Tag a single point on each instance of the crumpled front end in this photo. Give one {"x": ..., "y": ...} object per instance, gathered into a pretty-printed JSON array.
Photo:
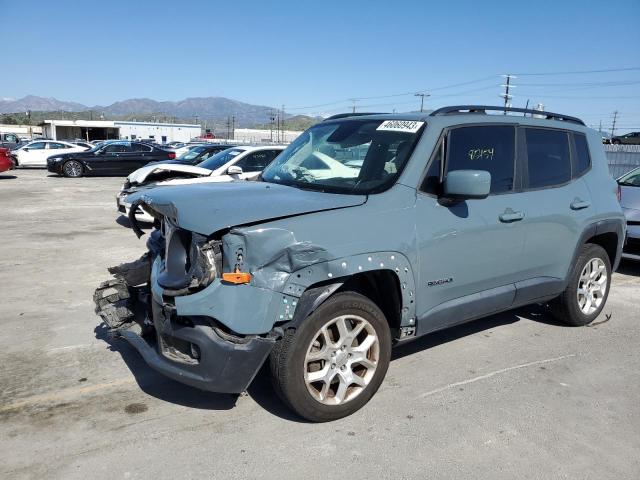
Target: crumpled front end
[
  {"x": 142, "y": 305},
  {"x": 210, "y": 311}
]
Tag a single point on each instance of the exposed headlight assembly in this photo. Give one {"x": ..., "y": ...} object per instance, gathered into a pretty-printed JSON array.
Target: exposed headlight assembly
[{"x": 191, "y": 261}]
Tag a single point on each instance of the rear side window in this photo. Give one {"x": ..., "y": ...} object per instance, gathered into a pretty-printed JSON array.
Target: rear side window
[
  {"x": 139, "y": 147},
  {"x": 490, "y": 148},
  {"x": 548, "y": 158},
  {"x": 583, "y": 160}
]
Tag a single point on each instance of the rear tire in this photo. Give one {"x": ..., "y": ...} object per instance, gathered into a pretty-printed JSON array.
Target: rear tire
[
  {"x": 588, "y": 288},
  {"x": 72, "y": 169},
  {"x": 334, "y": 362}
]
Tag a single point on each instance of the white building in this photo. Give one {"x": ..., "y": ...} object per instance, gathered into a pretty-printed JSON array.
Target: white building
[
  {"x": 108, "y": 129},
  {"x": 252, "y": 135},
  {"x": 27, "y": 131}
]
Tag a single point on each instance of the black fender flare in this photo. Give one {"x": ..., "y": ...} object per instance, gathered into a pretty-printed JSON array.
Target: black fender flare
[
  {"x": 598, "y": 228},
  {"x": 310, "y": 300}
]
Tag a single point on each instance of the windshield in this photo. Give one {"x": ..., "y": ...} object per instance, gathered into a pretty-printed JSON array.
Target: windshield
[
  {"x": 349, "y": 156},
  {"x": 631, "y": 179},
  {"x": 191, "y": 153},
  {"x": 219, "y": 159}
]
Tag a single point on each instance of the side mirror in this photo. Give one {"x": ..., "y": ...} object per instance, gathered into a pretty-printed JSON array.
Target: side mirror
[
  {"x": 234, "y": 170},
  {"x": 25, "y": 149},
  {"x": 467, "y": 184}
]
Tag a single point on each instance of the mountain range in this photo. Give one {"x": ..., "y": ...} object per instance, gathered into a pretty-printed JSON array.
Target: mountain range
[{"x": 214, "y": 109}]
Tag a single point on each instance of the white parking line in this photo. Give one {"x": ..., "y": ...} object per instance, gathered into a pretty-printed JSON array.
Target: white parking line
[
  {"x": 71, "y": 347},
  {"x": 494, "y": 373}
]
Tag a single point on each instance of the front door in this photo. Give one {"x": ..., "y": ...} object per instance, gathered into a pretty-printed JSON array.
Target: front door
[
  {"x": 469, "y": 250},
  {"x": 34, "y": 154}
]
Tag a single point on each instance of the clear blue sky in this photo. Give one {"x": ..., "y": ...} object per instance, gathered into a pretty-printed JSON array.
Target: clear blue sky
[{"x": 304, "y": 54}]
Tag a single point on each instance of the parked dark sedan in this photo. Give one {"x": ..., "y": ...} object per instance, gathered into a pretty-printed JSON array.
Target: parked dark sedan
[
  {"x": 114, "y": 158},
  {"x": 629, "y": 188},
  {"x": 632, "y": 138}
]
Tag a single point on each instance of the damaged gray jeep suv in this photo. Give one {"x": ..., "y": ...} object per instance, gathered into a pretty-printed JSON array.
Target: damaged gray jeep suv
[{"x": 366, "y": 232}]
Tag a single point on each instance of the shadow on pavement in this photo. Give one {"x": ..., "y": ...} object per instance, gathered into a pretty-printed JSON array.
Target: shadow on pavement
[
  {"x": 629, "y": 267},
  {"x": 262, "y": 392},
  {"x": 159, "y": 386},
  {"x": 124, "y": 221},
  {"x": 7, "y": 177}
]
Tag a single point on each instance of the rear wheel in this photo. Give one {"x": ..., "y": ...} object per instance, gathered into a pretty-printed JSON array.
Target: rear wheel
[
  {"x": 587, "y": 290},
  {"x": 335, "y": 361},
  {"x": 72, "y": 168}
]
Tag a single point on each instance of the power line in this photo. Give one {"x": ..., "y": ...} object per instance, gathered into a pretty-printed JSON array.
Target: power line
[
  {"x": 577, "y": 72},
  {"x": 442, "y": 87}
]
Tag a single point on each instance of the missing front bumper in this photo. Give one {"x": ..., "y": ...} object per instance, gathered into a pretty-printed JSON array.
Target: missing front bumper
[{"x": 189, "y": 351}]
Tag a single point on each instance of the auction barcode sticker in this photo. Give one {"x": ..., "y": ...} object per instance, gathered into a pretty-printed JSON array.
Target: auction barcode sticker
[{"x": 400, "y": 126}]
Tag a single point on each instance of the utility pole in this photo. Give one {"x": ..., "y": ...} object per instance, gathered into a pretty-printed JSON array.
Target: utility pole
[
  {"x": 271, "y": 119},
  {"x": 613, "y": 127},
  {"x": 228, "y": 127},
  {"x": 422, "y": 95},
  {"x": 507, "y": 87},
  {"x": 600, "y": 126},
  {"x": 233, "y": 127},
  {"x": 354, "y": 100},
  {"x": 283, "y": 128}
]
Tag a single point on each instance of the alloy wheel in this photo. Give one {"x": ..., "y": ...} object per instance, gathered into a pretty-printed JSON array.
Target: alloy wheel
[
  {"x": 341, "y": 360},
  {"x": 72, "y": 169},
  {"x": 592, "y": 286}
]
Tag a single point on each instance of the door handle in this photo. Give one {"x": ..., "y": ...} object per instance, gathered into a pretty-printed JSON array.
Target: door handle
[
  {"x": 510, "y": 216},
  {"x": 578, "y": 204}
]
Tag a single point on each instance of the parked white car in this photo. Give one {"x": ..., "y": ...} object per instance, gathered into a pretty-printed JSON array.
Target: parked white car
[
  {"x": 35, "y": 154},
  {"x": 235, "y": 163}
]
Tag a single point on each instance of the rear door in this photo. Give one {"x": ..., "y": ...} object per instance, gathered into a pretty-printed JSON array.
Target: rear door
[
  {"x": 141, "y": 154},
  {"x": 558, "y": 202}
]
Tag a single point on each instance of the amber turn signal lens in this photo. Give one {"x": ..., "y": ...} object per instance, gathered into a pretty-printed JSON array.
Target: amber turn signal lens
[{"x": 237, "y": 277}]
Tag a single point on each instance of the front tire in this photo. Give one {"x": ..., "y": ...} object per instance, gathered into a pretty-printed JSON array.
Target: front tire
[
  {"x": 72, "y": 169},
  {"x": 334, "y": 362},
  {"x": 588, "y": 288}
]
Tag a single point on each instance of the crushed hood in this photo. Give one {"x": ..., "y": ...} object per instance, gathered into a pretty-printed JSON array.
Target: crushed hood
[
  {"x": 208, "y": 207},
  {"x": 146, "y": 173}
]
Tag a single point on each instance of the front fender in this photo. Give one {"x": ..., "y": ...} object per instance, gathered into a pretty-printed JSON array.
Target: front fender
[{"x": 338, "y": 271}]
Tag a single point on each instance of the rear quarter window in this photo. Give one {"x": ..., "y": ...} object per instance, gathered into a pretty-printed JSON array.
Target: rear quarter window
[
  {"x": 583, "y": 159},
  {"x": 548, "y": 158}
]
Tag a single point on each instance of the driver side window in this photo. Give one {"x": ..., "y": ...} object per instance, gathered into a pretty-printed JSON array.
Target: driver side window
[{"x": 485, "y": 147}]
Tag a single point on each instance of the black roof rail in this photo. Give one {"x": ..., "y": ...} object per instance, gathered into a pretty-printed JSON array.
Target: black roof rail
[
  {"x": 354, "y": 114},
  {"x": 483, "y": 109}
]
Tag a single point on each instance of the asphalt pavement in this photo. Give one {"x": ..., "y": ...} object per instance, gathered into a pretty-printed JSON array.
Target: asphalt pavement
[{"x": 515, "y": 395}]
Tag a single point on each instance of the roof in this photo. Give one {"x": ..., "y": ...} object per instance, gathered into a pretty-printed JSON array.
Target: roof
[{"x": 472, "y": 113}]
